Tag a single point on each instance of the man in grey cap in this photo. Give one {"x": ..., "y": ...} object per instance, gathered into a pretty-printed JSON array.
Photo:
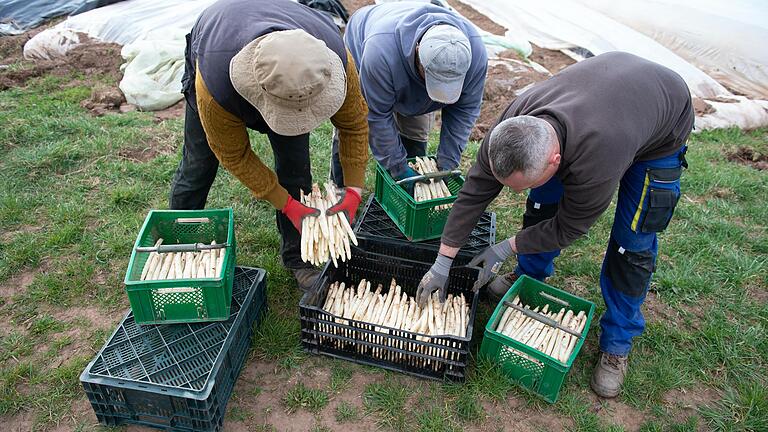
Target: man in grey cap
[
  {"x": 280, "y": 68},
  {"x": 415, "y": 59}
]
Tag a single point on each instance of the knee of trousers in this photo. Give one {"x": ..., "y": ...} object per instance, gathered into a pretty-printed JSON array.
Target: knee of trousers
[
  {"x": 628, "y": 272},
  {"x": 537, "y": 212}
]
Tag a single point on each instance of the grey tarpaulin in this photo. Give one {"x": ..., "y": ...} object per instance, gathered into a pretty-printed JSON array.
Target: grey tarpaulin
[{"x": 18, "y": 16}]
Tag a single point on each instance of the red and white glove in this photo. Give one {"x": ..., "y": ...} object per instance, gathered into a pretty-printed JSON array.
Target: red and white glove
[
  {"x": 296, "y": 212},
  {"x": 348, "y": 203}
]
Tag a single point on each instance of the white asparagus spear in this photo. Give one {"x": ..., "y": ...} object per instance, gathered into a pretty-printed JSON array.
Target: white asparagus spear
[
  {"x": 167, "y": 263},
  {"x": 150, "y": 260}
]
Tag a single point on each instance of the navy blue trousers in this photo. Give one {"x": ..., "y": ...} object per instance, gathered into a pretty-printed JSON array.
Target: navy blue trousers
[{"x": 648, "y": 193}]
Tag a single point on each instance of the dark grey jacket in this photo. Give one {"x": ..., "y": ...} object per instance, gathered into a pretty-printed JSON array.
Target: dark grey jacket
[{"x": 608, "y": 111}]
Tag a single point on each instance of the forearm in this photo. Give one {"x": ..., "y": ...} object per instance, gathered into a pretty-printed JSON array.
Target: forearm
[
  {"x": 351, "y": 122},
  {"x": 228, "y": 139},
  {"x": 448, "y": 251}
]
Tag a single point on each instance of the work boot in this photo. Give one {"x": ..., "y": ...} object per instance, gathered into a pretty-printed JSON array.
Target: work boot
[
  {"x": 306, "y": 277},
  {"x": 501, "y": 285},
  {"x": 609, "y": 375}
]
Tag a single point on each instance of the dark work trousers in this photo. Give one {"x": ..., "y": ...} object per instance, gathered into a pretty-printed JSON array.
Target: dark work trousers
[
  {"x": 412, "y": 149},
  {"x": 648, "y": 194},
  {"x": 198, "y": 166}
]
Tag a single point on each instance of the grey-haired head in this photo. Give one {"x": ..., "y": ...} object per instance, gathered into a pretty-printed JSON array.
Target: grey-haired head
[{"x": 522, "y": 151}]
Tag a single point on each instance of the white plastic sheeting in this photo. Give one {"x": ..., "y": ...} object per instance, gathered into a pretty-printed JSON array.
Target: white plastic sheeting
[
  {"x": 559, "y": 24},
  {"x": 726, "y": 40},
  {"x": 152, "y": 72},
  {"x": 562, "y": 24},
  {"x": 152, "y": 34}
]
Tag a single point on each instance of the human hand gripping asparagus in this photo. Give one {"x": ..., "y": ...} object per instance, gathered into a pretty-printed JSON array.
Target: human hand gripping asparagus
[{"x": 296, "y": 212}]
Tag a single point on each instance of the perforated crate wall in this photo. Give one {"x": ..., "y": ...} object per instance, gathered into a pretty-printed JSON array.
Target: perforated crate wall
[
  {"x": 434, "y": 357},
  {"x": 176, "y": 376},
  {"x": 423, "y": 220},
  {"x": 530, "y": 368},
  {"x": 184, "y": 299},
  {"x": 375, "y": 224}
]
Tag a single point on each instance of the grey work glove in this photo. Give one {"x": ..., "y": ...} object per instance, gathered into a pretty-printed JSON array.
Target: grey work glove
[
  {"x": 489, "y": 261},
  {"x": 435, "y": 279}
]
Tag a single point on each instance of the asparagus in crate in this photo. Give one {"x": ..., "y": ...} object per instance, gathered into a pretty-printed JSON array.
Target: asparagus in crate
[
  {"x": 394, "y": 310},
  {"x": 545, "y": 338},
  {"x": 325, "y": 237},
  {"x": 433, "y": 189},
  {"x": 183, "y": 265}
]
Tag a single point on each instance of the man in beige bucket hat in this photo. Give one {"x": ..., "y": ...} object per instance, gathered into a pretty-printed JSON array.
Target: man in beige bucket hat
[{"x": 280, "y": 68}]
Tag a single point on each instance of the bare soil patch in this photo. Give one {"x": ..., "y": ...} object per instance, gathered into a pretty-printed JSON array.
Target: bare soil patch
[
  {"x": 104, "y": 100},
  {"x": 701, "y": 107},
  {"x": 90, "y": 59},
  {"x": 553, "y": 61},
  {"x": 501, "y": 84},
  {"x": 686, "y": 402},
  {"x": 353, "y": 5},
  {"x": 612, "y": 411},
  {"x": 749, "y": 156},
  {"x": 477, "y": 18},
  {"x": 172, "y": 112},
  {"x": 658, "y": 311}
]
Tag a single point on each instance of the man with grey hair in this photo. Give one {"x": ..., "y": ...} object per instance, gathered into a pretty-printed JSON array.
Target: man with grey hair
[{"x": 615, "y": 120}]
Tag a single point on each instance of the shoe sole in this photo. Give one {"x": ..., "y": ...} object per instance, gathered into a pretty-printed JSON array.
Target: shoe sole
[{"x": 601, "y": 391}]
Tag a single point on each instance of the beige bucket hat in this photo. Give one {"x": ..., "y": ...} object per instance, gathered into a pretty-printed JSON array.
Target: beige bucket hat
[{"x": 293, "y": 79}]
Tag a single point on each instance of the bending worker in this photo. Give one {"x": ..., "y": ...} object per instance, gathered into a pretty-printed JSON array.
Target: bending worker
[
  {"x": 415, "y": 59},
  {"x": 611, "y": 120},
  {"x": 280, "y": 68}
]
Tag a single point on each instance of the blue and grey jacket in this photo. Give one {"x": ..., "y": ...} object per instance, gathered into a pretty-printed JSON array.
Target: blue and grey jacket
[{"x": 382, "y": 40}]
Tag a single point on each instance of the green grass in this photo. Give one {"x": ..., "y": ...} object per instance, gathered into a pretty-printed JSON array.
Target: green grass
[
  {"x": 346, "y": 412},
  {"x": 387, "y": 400},
  {"x": 71, "y": 206},
  {"x": 301, "y": 396}
]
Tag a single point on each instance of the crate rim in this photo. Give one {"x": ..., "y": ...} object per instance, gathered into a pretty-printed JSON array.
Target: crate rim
[
  {"x": 419, "y": 244},
  {"x": 418, "y": 205},
  {"x": 525, "y": 348},
  {"x": 201, "y": 394},
  {"x": 303, "y": 302},
  {"x": 142, "y": 285}
]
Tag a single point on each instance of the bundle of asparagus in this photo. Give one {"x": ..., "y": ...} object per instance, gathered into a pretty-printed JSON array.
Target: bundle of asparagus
[
  {"x": 324, "y": 237},
  {"x": 433, "y": 189},
  {"x": 183, "y": 265},
  {"x": 549, "y": 340},
  {"x": 395, "y": 310}
]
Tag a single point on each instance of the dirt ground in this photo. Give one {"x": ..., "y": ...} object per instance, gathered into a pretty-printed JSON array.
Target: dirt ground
[
  {"x": 501, "y": 84},
  {"x": 353, "y": 5},
  {"x": 749, "y": 156},
  {"x": 87, "y": 60},
  {"x": 477, "y": 18},
  {"x": 553, "y": 61}
]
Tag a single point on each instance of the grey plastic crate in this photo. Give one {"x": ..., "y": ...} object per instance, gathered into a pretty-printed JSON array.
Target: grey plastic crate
[{"x": 176, "y": 376}]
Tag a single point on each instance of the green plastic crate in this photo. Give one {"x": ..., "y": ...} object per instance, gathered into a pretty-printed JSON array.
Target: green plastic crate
[
  {"x": 531, "y": 369},
  {"x": 182, "y": 300},
  {"x": 416, "y": 220}
]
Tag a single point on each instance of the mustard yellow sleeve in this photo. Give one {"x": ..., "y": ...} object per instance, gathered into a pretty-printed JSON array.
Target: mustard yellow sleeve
[
  {"x": 228, "y": 139},
  {"x": 352, "y": 122}
]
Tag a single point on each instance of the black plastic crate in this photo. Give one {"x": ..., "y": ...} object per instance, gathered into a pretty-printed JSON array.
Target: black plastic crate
[
  {"x": 176, "y": 376},
  {"x": 375, "y": 224},
  {"x": 435, "y": 357}
]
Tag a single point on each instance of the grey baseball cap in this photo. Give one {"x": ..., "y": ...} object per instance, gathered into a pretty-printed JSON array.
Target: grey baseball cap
[{"x": 445, "y": 55}]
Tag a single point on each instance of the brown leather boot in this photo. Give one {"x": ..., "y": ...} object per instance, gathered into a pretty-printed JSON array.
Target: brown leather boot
[
  {"x": 306, "y": 277},
  {"x": 499, "y": 286},
  {"x": 609, "y": 375}
]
